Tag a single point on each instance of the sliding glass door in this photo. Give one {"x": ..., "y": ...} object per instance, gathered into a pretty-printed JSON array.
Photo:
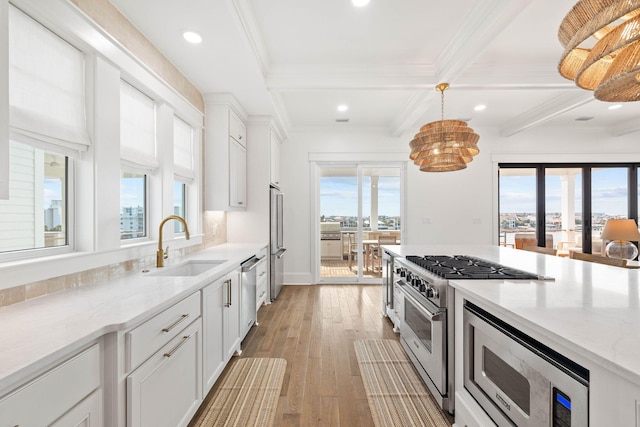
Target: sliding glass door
[
  {"x": 359, "y": 208},
  {"x": 564, "y": 206}
]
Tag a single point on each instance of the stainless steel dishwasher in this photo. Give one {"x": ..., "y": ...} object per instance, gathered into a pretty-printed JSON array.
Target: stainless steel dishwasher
[{"x": 248, "y": 297}]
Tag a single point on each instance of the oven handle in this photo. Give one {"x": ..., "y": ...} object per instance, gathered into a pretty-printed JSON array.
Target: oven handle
[{"x": 434, "y": 317}]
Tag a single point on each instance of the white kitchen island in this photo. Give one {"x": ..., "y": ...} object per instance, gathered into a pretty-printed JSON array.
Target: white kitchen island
[{"x": 589, "y": 313}]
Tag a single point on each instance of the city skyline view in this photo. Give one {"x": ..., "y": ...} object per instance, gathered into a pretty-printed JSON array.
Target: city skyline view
[{"x": 609, "y": 193}]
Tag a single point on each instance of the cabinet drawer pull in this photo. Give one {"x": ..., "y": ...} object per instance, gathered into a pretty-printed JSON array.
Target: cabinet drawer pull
[
  {"x": 228, "y": 282},
  {"x": 184, "y": 340},
  {"x": 174, "y": 324}
]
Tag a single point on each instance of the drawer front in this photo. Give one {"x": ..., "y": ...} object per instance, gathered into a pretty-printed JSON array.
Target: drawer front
[
  {"x": 147, "y": 338},
  {"x": 52, "y": 394},
  {"x": 166, "y": 390},
  {"x": 261, "y": 293},
  {"x": 261, "y": 270}
]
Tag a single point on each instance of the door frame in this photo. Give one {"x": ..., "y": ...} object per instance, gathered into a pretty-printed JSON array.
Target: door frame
[{"x": 317, "y": 162}]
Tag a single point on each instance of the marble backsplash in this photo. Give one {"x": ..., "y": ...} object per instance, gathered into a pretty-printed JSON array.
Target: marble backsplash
[{"x": 215, "y": 233}]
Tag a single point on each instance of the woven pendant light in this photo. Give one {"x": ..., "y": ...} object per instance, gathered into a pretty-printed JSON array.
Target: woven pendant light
[
  {"x": 611, "y": 66},
  {"x": 445, "y": 145}
]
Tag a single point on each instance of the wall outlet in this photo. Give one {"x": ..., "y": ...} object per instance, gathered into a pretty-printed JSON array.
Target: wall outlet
[
  {"x": 426, "y": 220},
  {"x": 476, "y": 221}
]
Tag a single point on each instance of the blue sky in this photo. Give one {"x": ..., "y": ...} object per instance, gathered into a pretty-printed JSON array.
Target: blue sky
[
  {"x": 609, "y": 190},
  {"x": 339, "y": 196}
]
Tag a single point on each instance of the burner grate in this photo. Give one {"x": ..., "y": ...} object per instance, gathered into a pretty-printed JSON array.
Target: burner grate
[{"x": 466, "y": 267}]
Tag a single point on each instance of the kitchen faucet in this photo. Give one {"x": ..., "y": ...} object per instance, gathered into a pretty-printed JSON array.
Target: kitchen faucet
[{"x": 160, "y": 254}]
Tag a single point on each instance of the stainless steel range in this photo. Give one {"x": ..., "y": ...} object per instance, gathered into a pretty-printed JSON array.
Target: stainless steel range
[{"x": 426, "y": 312}]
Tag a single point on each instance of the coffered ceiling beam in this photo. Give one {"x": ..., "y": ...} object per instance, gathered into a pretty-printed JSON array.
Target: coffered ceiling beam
[
  {"x": 349, "y": 77},
  {"x": 481, "y": 25},
  {"x": 625, "y": 128},
  {"x": 555, "y": 107}
]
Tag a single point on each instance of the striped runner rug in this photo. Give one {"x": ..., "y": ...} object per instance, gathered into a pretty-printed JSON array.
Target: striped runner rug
[
  {"x": 248, "y": 395},
  {"x": 396, "y": 395}
]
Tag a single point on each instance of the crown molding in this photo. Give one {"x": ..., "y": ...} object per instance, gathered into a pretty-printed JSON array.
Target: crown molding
[
  {"x": 226, "y": 99},
  {"x": 243, "y": 13},
  {"x": 544, "y": 112}
]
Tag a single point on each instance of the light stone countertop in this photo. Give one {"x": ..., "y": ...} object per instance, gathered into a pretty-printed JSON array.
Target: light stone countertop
[
  {"x": 37, "y": 332},
  {"x": 591, "y": 310}
]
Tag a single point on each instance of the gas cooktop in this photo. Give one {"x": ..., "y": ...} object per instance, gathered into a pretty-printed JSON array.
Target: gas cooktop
[{"x": 467, "y": 267}]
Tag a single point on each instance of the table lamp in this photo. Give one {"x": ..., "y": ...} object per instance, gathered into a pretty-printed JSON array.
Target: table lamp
[{"x": 621, "y": 232}]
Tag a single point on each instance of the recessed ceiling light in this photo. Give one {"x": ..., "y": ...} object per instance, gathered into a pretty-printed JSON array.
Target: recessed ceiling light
[
  {"x": 342, "y": 108},
  {"x": 192, "y": 37},
  {"x": 615, "y": 106},
  {"x": 480, "y": 107},
  {"x": 360, "y": 3}
]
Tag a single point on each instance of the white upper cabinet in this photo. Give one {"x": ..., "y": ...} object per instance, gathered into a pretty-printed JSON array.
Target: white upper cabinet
[
  {"x": 225, "y": 154},
  {"x": 237, "y": 129}
]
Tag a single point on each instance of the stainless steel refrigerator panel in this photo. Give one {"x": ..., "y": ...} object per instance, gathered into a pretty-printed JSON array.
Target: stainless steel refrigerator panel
[
  {"x": 276, "y": 243},
  {"x": 276, "y": 273}
]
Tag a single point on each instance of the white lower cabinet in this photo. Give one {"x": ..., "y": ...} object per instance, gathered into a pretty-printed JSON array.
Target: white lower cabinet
[
  {"x": 166, "y": 390},
  {"x": 213, "y": 354},
  {"x": 221, "y": 325},
  {"x": 66, "y": 395},
  {"x": 231, "y": 335},
  {"x": 87, "y": 413}
]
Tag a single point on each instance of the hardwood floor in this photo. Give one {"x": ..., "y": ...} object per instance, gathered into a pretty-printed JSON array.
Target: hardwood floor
[
  {"x": 313, "y": 328},
  {"x": 341, "y": 269}
]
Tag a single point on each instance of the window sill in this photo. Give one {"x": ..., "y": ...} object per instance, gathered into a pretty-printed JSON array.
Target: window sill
[{"x": 25, "y": 271}]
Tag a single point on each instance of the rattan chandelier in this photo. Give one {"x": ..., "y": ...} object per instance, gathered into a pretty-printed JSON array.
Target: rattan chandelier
[
  {"x": 611, "y": 67},
  {"x": 445, "y": 145}
]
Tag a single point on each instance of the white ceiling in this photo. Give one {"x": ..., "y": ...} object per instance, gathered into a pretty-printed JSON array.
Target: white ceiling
[{"x": 297, "y": 60}]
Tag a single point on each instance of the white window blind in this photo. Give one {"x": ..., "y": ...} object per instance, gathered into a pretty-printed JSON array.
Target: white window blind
[
  {"x": 137, "y": 128},
  {"x": 46, "y": 88},
  {"x": 183, "y": 149}
]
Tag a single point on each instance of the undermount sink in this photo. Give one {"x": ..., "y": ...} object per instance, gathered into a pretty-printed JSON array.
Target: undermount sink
[{"x": 188, "y": 268}]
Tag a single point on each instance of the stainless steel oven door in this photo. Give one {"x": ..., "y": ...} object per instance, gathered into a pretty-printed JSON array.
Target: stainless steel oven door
[
  {"x": 516, "y": 386},
  {"x": 424, "y": 334}
]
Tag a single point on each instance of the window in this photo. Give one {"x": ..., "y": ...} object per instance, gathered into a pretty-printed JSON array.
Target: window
[
  {"x": 179, "y": 204},
  {"x": 183, "y": 149},
  {"x": 517, "y": 206},
  {"x": 47, "y": 129},
  {"x": 572, "y": 201},
  {"x": 35, "y": 216},
  {"x": 138, "y": 154},
  {"x": 133, "y": 221}
]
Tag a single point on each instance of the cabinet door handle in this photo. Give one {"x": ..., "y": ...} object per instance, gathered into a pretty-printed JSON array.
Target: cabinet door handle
[
  {"x": 174, "y": 324},
  {"x": 176, "y": 348},
  {"x": 228, "y": 282},
  {"x": 263, "y": 273}
]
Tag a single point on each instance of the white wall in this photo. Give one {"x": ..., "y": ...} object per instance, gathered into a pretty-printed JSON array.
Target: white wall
[{"x": 450, "y": 207}]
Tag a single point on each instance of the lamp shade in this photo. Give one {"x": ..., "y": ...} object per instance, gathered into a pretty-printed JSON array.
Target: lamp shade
[{"x": 621, "y": 229}]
